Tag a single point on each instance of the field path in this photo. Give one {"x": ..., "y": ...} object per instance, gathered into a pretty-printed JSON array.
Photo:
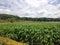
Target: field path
[{"x": 7, "y": 41}]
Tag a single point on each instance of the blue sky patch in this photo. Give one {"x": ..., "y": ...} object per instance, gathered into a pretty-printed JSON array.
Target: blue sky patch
[{"x": 55, "y": 2}]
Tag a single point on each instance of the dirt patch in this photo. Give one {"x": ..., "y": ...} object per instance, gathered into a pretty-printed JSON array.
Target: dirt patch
[{"x": 7, "y": 41}]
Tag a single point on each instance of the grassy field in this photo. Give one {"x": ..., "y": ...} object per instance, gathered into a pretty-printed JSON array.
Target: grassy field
[{"x": 32, "y": 33}]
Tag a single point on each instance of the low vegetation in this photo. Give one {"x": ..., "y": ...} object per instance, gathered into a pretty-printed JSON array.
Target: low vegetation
[{"x": 32, "y": 33}]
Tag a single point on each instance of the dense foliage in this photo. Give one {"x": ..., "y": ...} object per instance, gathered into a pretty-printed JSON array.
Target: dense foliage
[{"x": 32, "y": 33}]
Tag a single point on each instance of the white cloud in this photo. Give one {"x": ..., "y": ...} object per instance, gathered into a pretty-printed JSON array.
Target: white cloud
[
  {"x": 36, "y": 3},
  {"x": 30, "y": 8},
  {"x": 7, "y": 11}
]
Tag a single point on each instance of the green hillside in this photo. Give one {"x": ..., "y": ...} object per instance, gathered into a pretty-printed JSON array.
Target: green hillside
[{"x": 8, "y": 18}]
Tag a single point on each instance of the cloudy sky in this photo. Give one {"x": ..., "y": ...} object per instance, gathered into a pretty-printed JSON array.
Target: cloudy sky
[{"x": 31, "y": 8}]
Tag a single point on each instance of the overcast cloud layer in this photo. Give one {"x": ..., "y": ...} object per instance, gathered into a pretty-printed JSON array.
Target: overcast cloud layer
[{"x": 31, "y": 8}]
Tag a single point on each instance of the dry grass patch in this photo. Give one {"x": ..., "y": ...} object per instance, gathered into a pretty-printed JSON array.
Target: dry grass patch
[{"x": 7, "y": 41}]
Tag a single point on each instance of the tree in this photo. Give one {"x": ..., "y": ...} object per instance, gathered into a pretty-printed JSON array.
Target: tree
[{"x": 11, "y": 20}]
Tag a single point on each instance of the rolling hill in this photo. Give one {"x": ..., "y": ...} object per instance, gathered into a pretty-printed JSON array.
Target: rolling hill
[{"x": 8, "y": 18}]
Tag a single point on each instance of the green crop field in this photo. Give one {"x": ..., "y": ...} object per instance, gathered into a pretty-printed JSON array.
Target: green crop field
[{"x": 33, "y": 33}]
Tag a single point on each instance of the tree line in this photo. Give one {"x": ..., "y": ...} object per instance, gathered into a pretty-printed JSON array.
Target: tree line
[
  {"x": 40, "y": 19},
  {"x": 12, "y": 18}
]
